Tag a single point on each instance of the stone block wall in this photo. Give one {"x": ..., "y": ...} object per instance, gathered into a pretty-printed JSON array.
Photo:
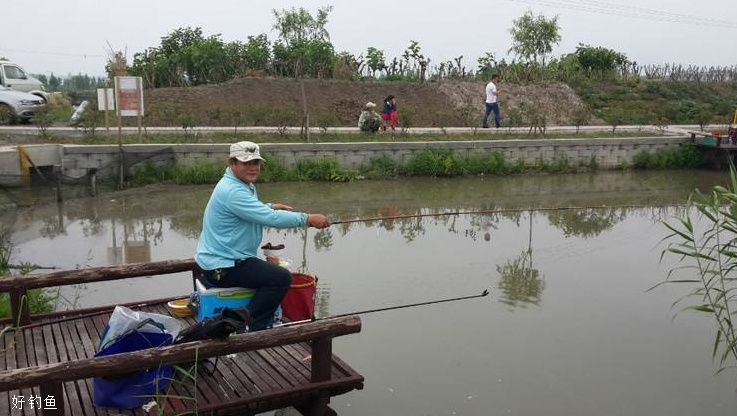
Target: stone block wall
[{"x": 76, "y": 160}]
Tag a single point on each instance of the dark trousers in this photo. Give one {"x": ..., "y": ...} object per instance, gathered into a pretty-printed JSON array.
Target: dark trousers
[
  {"x": 492, "y": 107},
  {"x": 270, "y": 281}
]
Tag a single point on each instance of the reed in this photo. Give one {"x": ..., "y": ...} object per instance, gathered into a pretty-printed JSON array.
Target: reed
[{"x": 704, "y": 239}]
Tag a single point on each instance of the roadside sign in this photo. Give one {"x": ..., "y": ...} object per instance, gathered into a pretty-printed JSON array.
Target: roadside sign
[
  {"x": 129, "y": 96},
  {"x": 105, "y": 99}
]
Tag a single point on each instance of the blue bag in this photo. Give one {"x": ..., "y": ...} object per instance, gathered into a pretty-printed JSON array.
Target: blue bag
[{"x": 133, "y": 390}]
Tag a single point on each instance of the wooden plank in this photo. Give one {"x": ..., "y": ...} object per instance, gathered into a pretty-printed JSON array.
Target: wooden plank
[
  {"x": 96, "y": 274},
  {"x": 53, "y": 356},
  {"x": 70, "y": 389},
  {"x": 286, "y": 365},
  {"x": 267, "y": 382},
  {"x": 11, "y": 363},
  {"x": 278, "y": 395},
  {"x": 300, "y": 356},
  {"x": 295, "y": 363},
  {"x": 253, "y": 380},
  {"x": 307, "y": 351},
  {"x": 5, "y": 404},
  {"x": 30, "y": 361},
  {"x": 76, "y": 349},
  {"x": 22, "y": 362},
  {"x": 73, "y": 345},
  {"x": 241, "y": 384}
]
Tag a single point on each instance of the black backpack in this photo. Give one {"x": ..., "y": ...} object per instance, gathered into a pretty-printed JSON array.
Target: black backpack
[{"x": 219, "y": 326}]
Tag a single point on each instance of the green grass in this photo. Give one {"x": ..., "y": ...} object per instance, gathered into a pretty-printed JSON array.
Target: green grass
[
  {"x": 434, "y": 163},
  {"x": 647, "y": 101},
  {"x": 682, "y": 157}
]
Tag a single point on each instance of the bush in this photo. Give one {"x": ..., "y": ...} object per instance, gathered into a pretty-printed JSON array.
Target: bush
[
  {"x": 435, "y": 163},
  {"x": 683, "y": 157},
  {"x": 382, "y": 167},
  {"x": 323, "y": 170},
  {"x": 43, "y": 120},
  {"x": 371, "y": 124}
]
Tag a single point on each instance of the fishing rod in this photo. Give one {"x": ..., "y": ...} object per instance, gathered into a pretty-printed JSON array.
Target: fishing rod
[
  {"x": 496, "y": 211},
  {"x": 388, "y": 308}
]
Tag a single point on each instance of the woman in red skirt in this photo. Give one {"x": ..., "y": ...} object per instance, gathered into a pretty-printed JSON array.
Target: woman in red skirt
[{"x": 389, "y": 112}]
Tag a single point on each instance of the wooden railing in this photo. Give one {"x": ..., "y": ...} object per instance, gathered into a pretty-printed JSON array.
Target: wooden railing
[
  {"x": 49, "y": 377},
  {"x": 18, "y": 287}
]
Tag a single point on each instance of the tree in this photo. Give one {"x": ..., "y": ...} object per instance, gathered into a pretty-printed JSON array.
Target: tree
[
  {"x": 599, "y": 59},
  {"x": 303, "y": 47},
  {"x": 413, "y": 54},
  {"x": 345, "y": 66},
  {"x": 534, "y": 37},
  {"x": 375, "y": 60},
  {"x": 487, "y": 64},
  {"x": 186, "y": 57},
  {"x": 54, "y": 82},
  {"x": 257, "y": 52},
  {"x": 296, "y": 26}
]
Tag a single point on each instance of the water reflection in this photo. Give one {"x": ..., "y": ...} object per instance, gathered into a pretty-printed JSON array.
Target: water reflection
[
  {"x": 144, "y": 225},
  {"x": 137, "y": 238},
  {"x": 587, "y": 222},
  {"x": 560, "y": 326},
  {"x": 519, "y": 282}
]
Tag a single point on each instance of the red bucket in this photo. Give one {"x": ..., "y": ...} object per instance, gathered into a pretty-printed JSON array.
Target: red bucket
[{"x": 299, "y": 302}]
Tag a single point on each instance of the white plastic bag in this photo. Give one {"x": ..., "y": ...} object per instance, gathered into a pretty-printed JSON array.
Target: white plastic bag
[{"x": 123, "y": 320}]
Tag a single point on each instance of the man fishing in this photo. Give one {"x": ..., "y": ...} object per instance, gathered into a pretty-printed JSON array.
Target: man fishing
[{"x": 232, "y": 228}]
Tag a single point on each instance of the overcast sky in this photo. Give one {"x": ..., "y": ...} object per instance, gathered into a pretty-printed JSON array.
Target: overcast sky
[{"x": 71, "y": 36}]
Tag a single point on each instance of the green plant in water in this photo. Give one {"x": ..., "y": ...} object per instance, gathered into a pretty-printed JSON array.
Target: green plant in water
[
  {"x": 707, "y": 250},
  {"x": 37, "y": 299}
]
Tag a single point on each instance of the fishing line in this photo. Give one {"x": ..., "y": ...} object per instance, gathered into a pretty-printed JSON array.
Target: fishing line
[{"x": 498, "y": 211}]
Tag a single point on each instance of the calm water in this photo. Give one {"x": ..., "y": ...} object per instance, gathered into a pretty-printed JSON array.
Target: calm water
[{"x": 569, "y": 328}]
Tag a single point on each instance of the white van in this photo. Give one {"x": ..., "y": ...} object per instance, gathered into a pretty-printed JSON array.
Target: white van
[{"x": 13, "y": 77}]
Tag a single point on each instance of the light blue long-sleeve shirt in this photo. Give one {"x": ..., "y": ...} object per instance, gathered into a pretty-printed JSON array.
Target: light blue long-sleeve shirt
[{"x": 233, "y": 221}]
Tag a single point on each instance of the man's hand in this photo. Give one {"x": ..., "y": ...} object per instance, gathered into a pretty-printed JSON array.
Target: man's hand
[
  {"x": 272, "y": 260},
  {"x": 318, "y": 221},
  {"x": 281, "y": 207}
]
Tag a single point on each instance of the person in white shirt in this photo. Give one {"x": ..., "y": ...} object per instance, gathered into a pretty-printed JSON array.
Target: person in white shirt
[{"x": 492, "y": 105}]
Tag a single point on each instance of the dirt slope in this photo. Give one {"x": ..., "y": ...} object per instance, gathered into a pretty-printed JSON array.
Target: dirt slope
[{"x": 268, "y": 101}]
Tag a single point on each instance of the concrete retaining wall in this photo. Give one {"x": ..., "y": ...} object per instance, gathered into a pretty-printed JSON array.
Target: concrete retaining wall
[{"x": 77, "y": 159}]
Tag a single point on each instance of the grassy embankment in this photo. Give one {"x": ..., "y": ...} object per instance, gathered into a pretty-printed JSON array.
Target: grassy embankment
[{"x": 658, "y": 102}]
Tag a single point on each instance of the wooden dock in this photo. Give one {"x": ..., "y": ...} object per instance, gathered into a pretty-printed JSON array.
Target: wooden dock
[
  {"x": 53, "y": 355},
  {"x": 718, "y": 150}
]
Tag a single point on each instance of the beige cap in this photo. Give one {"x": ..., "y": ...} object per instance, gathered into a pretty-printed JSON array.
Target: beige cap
[
  {"x": 370, "y": 104},
  {"x": 245, "y": 151}
]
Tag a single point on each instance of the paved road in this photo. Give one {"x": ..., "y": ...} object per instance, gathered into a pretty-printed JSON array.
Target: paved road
[{"x": 76, "y": 132}]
